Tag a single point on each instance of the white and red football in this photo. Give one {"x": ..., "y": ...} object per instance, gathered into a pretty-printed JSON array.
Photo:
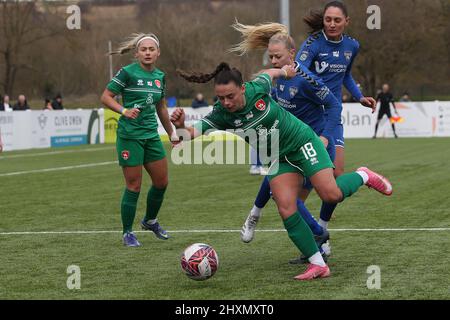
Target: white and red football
[{"x": 199, "y": 261}]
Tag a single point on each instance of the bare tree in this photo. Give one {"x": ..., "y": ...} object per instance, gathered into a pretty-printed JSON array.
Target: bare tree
[{"x": 21, "y": 26}]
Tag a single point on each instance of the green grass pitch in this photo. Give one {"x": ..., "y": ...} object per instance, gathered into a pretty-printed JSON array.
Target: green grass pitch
[{"x": 414, "y": 264}]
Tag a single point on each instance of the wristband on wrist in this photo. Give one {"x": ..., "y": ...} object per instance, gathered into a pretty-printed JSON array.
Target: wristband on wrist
[
  {"x": 122, "y": 110},
  {"x": 285, "y": 73}
]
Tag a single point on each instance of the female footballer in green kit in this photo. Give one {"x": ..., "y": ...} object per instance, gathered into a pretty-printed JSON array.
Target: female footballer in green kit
[
  {"x": 249, "y": 106},
  {"x": 142, "y": 87}
]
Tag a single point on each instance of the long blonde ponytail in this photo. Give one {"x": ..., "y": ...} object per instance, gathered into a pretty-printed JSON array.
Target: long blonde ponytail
[{"x": 258, "y": 36}]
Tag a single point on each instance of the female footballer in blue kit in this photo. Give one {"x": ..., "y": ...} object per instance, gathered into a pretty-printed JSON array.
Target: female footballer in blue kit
[{"x": 329, "y": 53}]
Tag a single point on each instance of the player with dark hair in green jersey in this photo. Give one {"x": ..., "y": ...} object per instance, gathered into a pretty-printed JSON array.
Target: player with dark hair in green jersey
[
  {"x": 142, "y": 87},
  {"x": 247, "y": 107}
]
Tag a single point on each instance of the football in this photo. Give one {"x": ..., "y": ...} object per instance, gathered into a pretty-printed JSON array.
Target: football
[{"x": 199, "y": 261}]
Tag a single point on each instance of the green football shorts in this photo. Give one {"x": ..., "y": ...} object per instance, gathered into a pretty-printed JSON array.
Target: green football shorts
[
  {"x": 307, "y": 160},
  {"x": 136, "y": 152}
]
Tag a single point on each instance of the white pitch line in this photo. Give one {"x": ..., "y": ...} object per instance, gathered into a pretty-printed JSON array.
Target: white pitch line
[
  {"x": 54, "y": 152},
  {"x": 87, "y": 165},
  {"x": 219, "y": 231}
]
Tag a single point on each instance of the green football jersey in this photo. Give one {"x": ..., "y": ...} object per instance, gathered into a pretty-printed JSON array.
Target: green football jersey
[
  {"x": 140, "y": 89},
  {"x": 265, "y": 117}
]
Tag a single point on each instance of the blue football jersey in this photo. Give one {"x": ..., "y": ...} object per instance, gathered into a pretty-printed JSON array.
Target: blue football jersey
[
  {"x": 331, "y": 61},
  {"x": 305, "y": 96}
]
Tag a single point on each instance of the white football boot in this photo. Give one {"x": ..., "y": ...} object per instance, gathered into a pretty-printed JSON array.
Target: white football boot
[{"x": 248, "y": 229}]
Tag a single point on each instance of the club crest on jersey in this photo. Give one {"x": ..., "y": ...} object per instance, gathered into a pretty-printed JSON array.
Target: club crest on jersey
[
  {"x": 158, "y": 83},
  {"x": 304, "y": 56},
  {"x": 125, "y": 154},
  {"x": 140, "y": 82},
  {"x": 150, "y": 84},
  {"x": 336, "y": 54},
  {"x": 249, "y": 115},
  {"x": 348, "y": 55},
  {"x": 260, "y": 105},
  {"x": 293, "y": 91},
  {"x": 281, "y": 87}
]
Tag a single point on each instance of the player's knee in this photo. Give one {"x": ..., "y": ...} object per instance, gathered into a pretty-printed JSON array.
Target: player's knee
[
  {"x": 161, "y": 183},
  {"x": 134, "y": 185},
  {"x": 331, "y": 195},
  {"x": 286, "y": 208}
]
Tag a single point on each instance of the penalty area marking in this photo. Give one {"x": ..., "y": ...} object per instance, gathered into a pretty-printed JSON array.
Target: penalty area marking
[{"x": 219, "y": 231}]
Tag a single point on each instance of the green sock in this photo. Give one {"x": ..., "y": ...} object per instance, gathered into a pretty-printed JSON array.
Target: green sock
[
  {"x": 128, "y": 209},
  {"x": 155, "y": 199},
  {"x": 349, "y": 183},
  {"x": 300, "y": 234}
]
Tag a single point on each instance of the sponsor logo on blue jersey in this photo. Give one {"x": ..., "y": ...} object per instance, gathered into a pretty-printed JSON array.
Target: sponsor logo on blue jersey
[{"x": 320, "y": 68}]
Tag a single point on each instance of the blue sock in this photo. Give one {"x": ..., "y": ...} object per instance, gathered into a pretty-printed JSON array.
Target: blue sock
[
  {"x": 254, "y": 157},
  {"x": 306, "y": 215},
  {"x": 263, "y": 194},
  {"x": 258, "y": 161},
  {"x": 326, "y": 211}
]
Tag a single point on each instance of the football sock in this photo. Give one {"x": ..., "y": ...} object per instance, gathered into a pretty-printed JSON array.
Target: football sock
[
  {"x": 254, "y": 157},
  {"x": 317, "y": 259},
  {"x": 326, "y": 211},
  {"x": 364, "y": 176},
  {"x": 301, "y": 235},
  {"x": 155, "y": 199},
  {"x": 256, "y": 212},
  {"x": 323, "y": 224},
  {"x": 263, "y": 194},
  {"x": 349, "y": 183},
  {"x": 128, "y": 209},
  {"x": 309, "y": 219},
  {"x": 258, "y": 160}
]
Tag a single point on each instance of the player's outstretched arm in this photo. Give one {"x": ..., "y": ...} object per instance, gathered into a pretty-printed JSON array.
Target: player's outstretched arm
[
  {"x": 287, "y": 71},
  {"x": 178, "y": 118}
]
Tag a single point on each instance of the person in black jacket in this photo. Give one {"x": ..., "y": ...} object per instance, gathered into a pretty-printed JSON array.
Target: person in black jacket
[
  {"x": 57, "y": 103},
  {"x": 385, "y": 98},
  {"x": 199, "y": 101},
  {"x": 21, "y": 104}
]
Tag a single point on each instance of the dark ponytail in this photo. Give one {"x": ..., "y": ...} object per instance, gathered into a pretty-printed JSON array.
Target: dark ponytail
[
  {"x": 222, "y": 75},
  {"x": 314, "y": 20}
]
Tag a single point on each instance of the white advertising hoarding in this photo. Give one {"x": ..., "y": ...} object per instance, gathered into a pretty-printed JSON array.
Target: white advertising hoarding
[
  {"x": 420, "y": 119},
  {"x": 44, "y": 129},
  {"x": 443, "y": 119}
]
